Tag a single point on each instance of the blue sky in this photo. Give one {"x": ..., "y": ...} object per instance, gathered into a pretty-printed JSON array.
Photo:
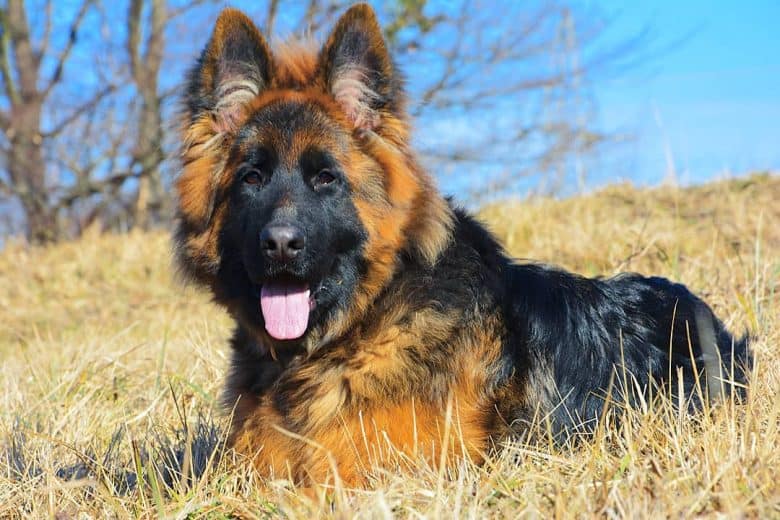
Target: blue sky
[
  {"x": 706, "y": 95},
  {"x": 712, "y": 103}
]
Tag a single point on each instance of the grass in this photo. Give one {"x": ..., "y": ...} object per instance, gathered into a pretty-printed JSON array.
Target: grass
[{"x": 110, "y": 373}]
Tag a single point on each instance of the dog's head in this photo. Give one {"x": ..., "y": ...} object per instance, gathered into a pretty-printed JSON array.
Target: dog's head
[{"x": 298, "y": 193}]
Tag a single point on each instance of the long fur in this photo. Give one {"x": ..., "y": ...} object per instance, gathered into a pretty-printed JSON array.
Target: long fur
[{"x": 423, "y": 337}]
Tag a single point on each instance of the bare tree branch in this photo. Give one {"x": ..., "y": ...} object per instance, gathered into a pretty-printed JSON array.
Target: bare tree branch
[
  {"x": 308, "y": 17},
  {"x": 43, "y": 48},
  {"x": 513, "y": 78},
  {"x": 92, "y": 187},
  {"x": 270, "y": 17},
  {"x": 5, "y": 66},
  {"x": 134, "y": 36},
  {"x": 175, "y": 13},
  {"x": 24, "y": 57},
  {"x": 66, "y": 50},
  {"x": 78, "y": 112},
  {"x": 155, "y": 45},
  {"x": 147, "y": 152}
]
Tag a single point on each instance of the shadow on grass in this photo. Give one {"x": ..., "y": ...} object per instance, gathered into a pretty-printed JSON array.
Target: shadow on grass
[{"x": 159, "y": 460}]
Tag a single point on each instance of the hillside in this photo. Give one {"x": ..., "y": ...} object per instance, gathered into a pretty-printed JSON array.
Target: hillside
[{"x": 110, "y": 372}]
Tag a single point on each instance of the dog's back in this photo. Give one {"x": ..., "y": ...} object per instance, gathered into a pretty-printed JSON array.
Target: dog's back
[{"x": 623, "y": 339}]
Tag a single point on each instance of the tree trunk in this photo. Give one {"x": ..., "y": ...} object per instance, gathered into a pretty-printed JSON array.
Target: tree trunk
[
  {"x": 26, "y": 165},
  {"x": 149, "y": 203},
  {"x": 28, "y": 173},
  {"x": 148, "y": 154}
]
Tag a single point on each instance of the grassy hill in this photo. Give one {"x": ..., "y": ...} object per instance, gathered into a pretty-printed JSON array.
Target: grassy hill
[{"x": 110, "y": 372}]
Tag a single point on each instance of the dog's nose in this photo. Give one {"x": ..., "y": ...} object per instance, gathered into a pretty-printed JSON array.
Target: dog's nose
[{"x": 282, "y": 243}]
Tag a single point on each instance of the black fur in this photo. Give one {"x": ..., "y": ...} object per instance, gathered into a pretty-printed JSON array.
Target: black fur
[
  {"x": 584, "y": 334},
  {"x": 583, "y": 337},
  {"x": 330, "y": 262},
  {"x": 396, "y": 320}
]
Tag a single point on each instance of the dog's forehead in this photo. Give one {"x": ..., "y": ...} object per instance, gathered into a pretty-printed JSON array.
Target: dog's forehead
[{"x": 290, "y": 128}]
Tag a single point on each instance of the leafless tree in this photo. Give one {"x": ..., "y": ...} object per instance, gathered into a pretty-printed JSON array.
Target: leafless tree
[
  {"x": 511, "y": 85},
  {"x": 26, "y": 89},
  {"x": 498, "y": 89},
  {"x": 145, "y": 69}
]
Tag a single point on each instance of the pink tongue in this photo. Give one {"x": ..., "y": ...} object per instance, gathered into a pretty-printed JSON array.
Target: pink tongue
[{"x": 285, "y": 309}]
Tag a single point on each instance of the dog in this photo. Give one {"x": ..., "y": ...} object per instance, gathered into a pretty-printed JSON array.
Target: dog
[{"x": 374, "y": 318}]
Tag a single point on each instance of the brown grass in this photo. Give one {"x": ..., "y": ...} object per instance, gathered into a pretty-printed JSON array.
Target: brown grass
[{"x": 111, "y": 371}]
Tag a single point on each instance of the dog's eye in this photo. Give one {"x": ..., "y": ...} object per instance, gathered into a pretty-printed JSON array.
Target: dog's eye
[
  {"x": 254, "y": 177},
  {"x": 323, "y": 178}
]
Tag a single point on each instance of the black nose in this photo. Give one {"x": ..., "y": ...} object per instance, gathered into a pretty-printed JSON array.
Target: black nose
[{"x": 282, "y": 243}]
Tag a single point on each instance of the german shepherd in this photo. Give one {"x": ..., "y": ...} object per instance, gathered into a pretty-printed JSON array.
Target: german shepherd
[{"x": 372, "y": 315}]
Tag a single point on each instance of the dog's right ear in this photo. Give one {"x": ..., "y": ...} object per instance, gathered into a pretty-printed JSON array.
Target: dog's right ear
[{"x": 233, "y": 68}]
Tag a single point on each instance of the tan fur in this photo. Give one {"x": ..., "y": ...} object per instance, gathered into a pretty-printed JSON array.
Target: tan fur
[
  {"x": 391, "y": 421},
  {"x": 359, "y": 397}
]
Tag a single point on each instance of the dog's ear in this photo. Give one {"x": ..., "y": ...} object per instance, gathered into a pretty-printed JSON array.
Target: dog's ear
[
  {"x": 358, "y": 70},
  {"x": 233, "y": 68}
]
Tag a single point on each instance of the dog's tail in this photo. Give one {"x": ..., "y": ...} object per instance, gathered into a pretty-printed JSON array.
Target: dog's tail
[{"x": 727, "y": 360}]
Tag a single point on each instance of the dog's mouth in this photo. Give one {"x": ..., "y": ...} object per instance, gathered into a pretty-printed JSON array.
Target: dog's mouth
[{"x": 286, "y": 304}]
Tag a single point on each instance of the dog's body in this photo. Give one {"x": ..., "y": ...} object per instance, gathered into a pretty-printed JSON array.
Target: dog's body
[{"x": 372, "y": 316}]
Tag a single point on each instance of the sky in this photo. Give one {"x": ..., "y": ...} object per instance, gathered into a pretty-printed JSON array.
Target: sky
[
  {"x": 704, "y": 96},
  {"x": 710, "y": 104},
  {"x": 701, "y": 102}
]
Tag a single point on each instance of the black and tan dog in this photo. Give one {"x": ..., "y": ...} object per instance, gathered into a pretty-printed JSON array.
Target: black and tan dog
[{"x": 368, "y": 309}]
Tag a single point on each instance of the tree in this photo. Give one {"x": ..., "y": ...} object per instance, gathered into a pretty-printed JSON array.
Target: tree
[
  {"x": 499, "y": 91},
  {"x": 102, "y": 161},
  {"x": 26, "y": 89},
  {"x": 509, "y": 82},
  {"x": 145, "y": 68}
]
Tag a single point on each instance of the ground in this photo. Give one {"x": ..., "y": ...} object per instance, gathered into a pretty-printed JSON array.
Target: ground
[{"x": 110, "y": 374}]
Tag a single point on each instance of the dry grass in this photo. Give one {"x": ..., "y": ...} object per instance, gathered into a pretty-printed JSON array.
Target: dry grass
[{"x": 110, "y": 373}]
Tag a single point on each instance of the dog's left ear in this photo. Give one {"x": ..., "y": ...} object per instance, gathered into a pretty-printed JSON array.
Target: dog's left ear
[{"x": 359, "y": 71}]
